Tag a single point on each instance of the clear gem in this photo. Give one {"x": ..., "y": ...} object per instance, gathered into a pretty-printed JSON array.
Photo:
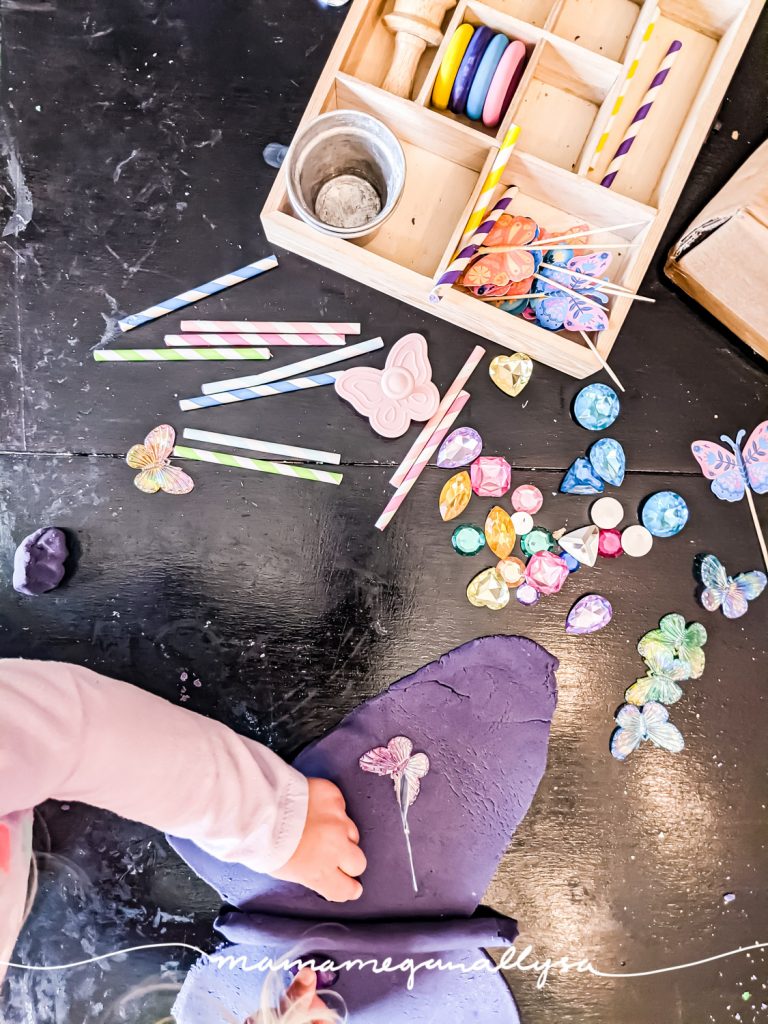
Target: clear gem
[
  {"x": 488, "y": 590},
  {"x": 461, "y": 447},
  {"x": 582, "y": 479},
  {"x": 455, "y": 495},
  {"x": 537, "y": 539},
  {"x": 608, "y": 461},
  {"x": 636, "y": 541},
  {"x": 573, "y": 563},
  {"x": 491, "y": 476},
  {"x": 511, "y": 373},
  {"x": 664, "y": 514},
  {"x": 582, "y": 544},
  {"x": 527, "y": 595},
  {"x": 546, "y": 572},
  {"x": 512, "y": 571},
  {"x": 499, "y": 532},
  {"x": 606, "y": 513},
  {"x": 609, "y": 544},
  {"x": 596, "y": 407},
  {"x": 522, "y": 522},
  {"x": 588, "y": 615},
  {"x": 527, "y": 498},
  {"x": 468, "y": 539}
]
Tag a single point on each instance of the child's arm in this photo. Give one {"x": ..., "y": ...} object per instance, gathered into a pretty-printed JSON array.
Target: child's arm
[{"x": 68, "y": 733}]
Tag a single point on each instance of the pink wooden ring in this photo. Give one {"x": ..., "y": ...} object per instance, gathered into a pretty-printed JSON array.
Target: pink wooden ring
[{"x": 504, "y": 82}]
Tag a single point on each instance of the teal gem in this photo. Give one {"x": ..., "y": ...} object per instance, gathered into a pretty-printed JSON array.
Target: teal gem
[
  {"x": 468, "y": 539},
  {"x": 596, "y": 407},
  {"x": 582, "y": 479},
  {"x": 608, "y": 460},
  {"x": 537, "y": 540},
  {"x": 664, "y": 514}
]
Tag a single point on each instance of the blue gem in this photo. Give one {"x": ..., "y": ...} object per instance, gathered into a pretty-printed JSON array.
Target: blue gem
[
  {"x": 608, "y": 460},
  {"x": 664, "y": 514},
  {"x": 572, "y": 563},
  {"x": 596, "y": 407},
  {"x": 582, "y": 479}
]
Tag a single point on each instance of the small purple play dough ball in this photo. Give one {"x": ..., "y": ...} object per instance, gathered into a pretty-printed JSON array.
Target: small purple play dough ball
[{"x": 38, "y": 565}]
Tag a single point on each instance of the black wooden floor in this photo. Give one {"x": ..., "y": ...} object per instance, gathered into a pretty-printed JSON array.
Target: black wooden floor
[{"x": 139, "y": 127}]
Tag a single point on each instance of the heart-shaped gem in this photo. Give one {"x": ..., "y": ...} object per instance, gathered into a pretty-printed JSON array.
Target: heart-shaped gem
[
  {"x": 488, "y": 590},
  {"x": 511, "y": 373}
]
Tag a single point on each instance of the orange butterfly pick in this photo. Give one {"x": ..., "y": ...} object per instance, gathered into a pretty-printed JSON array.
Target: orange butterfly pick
[{"x": 153, "y": 460}]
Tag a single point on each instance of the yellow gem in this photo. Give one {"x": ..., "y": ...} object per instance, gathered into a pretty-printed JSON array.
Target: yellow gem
[
  {"x": 455, "y": 495},
  {"x": 488, "y": 590},
  {"x": 499, "y": 532},
  {"x": 511, "y": 373},
  {"x": 512, "y": 571}
]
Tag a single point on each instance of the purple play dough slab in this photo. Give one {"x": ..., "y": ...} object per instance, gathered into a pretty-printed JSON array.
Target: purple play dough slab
[{"x": 38, "y": 565}]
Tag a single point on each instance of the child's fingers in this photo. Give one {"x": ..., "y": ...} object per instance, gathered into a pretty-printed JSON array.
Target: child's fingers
[
  {"x": 352, "y": 860},
  {"x": 303, "y": 990},
  {"x": 341, "y": 888},
  {"x": 353, "y": 831}
]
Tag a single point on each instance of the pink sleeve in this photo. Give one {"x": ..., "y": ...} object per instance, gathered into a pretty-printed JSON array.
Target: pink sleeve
[{"x": 68, "y": 733}]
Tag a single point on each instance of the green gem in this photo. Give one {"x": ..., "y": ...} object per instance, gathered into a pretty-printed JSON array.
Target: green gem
[
  {"x": 537, "y": 540},
  {"x": 468, "y": 539}
]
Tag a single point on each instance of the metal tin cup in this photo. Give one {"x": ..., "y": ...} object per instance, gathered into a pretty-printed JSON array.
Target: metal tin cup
[{"x": 345, "y": 173}]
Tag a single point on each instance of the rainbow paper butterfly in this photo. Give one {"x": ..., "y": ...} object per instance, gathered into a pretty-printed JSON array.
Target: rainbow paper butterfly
[
  {"x": 636, "y": 725},
  {"x": 733, "y": 472},
  {"x": 152, "y": 458},
  {"x": 731, "y": 593},
  {"x": 561, "y": 309}
]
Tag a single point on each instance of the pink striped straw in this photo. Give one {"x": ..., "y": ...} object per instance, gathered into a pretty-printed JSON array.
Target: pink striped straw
[
  {"x": 416, "y": 469},
  {"x": 266, "y": 327},
  {"x": 432, "y": 424},
  {"x": 250, "y": 340}
]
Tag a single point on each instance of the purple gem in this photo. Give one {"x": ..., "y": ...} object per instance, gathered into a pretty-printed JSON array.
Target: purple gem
[
  {"x": 527, "y": 595},
  {"x": 588, "y": 615},
  {"x": 461, "y": 447}
]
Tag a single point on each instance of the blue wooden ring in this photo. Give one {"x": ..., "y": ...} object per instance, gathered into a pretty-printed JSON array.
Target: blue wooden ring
[
  {"x": 485, "y": 71},
  {"x": 468, "y": 68}
]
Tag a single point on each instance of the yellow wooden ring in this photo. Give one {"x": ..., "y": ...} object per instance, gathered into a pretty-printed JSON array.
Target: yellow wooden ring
[{"x": 453, "y": 57}]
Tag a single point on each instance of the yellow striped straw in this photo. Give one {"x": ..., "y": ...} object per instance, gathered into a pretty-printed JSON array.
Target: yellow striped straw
[
  {"x": 485, "y": 199},
  {"x": 631, "y": 72}
]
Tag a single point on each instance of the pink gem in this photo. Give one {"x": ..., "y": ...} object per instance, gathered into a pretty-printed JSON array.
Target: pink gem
[
  {"x": 491, "y": 476},
  {"x": 527, "y": 498},
  {"x": 546, "y": 572},
  {"x": 609, "y": 544}
]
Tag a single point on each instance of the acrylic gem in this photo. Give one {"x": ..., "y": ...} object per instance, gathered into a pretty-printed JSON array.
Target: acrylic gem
[
  {"x": 467, "y": 539},
  {"x": 589, "y": 615},
  {"x": 491, "y": 476},
  {"x": 664, "y": 514},
  {"x": 511, "y": 373},
  {"x": 546, "y": 572},
  {"x": 596, "y": 407},
  {"x": 608, "y": 461},
  {"x": 582, "y": 479},
  {"x": 461, "y": 447},
  {"x": 499, "y": 532},
  {"x": 455, "y": 496},
  {"x": 488, "y": 590},
  {"x": 582, "y": 544}
]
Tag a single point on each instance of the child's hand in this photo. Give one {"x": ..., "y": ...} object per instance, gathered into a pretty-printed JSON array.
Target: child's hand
[
  {"x": 302, "y": 993},
  {"x": 328, "y": 858}
]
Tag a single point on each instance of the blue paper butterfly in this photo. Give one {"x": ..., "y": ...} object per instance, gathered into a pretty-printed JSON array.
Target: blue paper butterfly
[
  {"x": 733, "y": 472},
  {"x": 730, "y": 593},
  {"x": 561, "y": 309}
]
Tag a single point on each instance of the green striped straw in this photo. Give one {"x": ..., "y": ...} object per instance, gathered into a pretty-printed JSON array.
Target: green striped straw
[
  {"x": 320, "y": 476},
  {"x": 176, "y": 355}
]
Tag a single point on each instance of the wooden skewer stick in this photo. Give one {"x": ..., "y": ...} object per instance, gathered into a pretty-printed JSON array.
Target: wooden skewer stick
[
  {"x": 542, "y": 246},
  {"x": 602, "y": 361},
  {"x": 758, "y": 528},
  {"x": 566, "y": 237},
  {"x": 604, "y": 284}
]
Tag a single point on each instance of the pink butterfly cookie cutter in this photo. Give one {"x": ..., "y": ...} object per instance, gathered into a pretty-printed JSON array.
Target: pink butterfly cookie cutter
[{"x": 401, "y": 392}]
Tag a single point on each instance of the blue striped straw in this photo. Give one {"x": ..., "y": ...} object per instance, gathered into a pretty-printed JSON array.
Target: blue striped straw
[
  {"x": 280, "y": 387},
  {"x": 195, "y": 294}
]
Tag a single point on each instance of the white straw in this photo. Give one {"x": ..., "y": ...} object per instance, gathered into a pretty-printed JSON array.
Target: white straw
[{"x": 250, "y": 444}]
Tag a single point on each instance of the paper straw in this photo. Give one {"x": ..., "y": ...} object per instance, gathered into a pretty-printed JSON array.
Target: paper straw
[
  {"x": 282, "y": 372},
  {"x": 248, "y": 340},
  {"x": 416, "y": 469},
  {"x": 642, "y": 113},
  {"x": 266, "y": 327},
  {"x": 288, "y": 451},
  {"x": 490, "y": 185},
  {"x": 631, "y": 71},
  {"x": 319, "y": 476},
  {"x": 433, "y": 422},
  {"x": 458, "y": 265},
  {"x": 280, "y": 387},
  {"x": 173, "y": 355},
  {"x": 195, "y": 294}
]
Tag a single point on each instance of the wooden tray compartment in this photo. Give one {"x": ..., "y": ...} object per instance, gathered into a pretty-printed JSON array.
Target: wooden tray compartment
[{"x": 603, "y": 26}]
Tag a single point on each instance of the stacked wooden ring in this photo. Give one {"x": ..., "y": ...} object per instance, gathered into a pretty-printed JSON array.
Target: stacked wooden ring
[{"x": 479, "y": 73}]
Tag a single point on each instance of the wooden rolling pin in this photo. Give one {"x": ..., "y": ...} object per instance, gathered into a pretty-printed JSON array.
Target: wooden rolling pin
[{"x": 416, "y": 24}]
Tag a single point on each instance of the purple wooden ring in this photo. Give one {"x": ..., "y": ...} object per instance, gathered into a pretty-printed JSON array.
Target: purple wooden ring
[{"x": 468, "y": 68}]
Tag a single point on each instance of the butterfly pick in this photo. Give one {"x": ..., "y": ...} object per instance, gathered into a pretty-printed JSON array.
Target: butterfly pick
[
  {"x": 153, "y": 460},
  {"x": 401, "y": 392},
  {"x": 636, "y": 725},
  {"x": 731, "y": 593}
]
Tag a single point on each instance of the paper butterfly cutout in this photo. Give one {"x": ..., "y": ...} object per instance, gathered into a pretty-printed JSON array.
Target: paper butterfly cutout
[
  {"x": 493, "y": 273},
  {"x": 560, "y": 309},
  {"x": 401, "y": 392},
  {"x": 733, "y": 472},
  {"x": 636, "y": 725},
  {"x": 731, "y": 593},
  {"x": 152, "y": 458},
  {"x": 665, "y": 671},
  {"x": 406, "y": 770}
]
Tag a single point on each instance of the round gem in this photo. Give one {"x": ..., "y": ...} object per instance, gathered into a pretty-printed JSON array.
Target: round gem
[
  {"x": 512, "y": 571},
  {"x": 636, "y": 541},
  {"x": 588, "y": 615},
  {"x": 522, "y": 522},
  {"x": 491, "y": 476},
  {"x": 488, "y": 590},
  {"x": 664, "y": 514},
  {"x": 609, "y": 544},
  {"x": 527, "y": 595},
  {"x": 511, "y": 373},
  {"x": 596, "y": 407},
  {"x": 455, "y": 495},
  {"x": 468, "y": 539},
  {"x": 499, "y": 532},
  {"x": 546, "y": 572},
  {"x": 606, "y": 513},
  {"x": 461, "y": 447},
  {"x": 536, "y": 540},
  {"x": 527, "y": 498},
  {"x": 572, "y": 563}
]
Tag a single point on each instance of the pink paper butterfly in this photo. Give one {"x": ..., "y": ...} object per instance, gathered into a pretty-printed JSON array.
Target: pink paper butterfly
[
  {"x": 398, "y": 761},
  {"x": 563, "y": 309},
  {"x": 401, "y": 392},
  {"x": 733, "y": 472},
  {"x": 153, "y": 459}
]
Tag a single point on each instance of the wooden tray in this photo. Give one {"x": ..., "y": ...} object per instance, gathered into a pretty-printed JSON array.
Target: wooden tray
[{"x": 578, "y": 54}]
